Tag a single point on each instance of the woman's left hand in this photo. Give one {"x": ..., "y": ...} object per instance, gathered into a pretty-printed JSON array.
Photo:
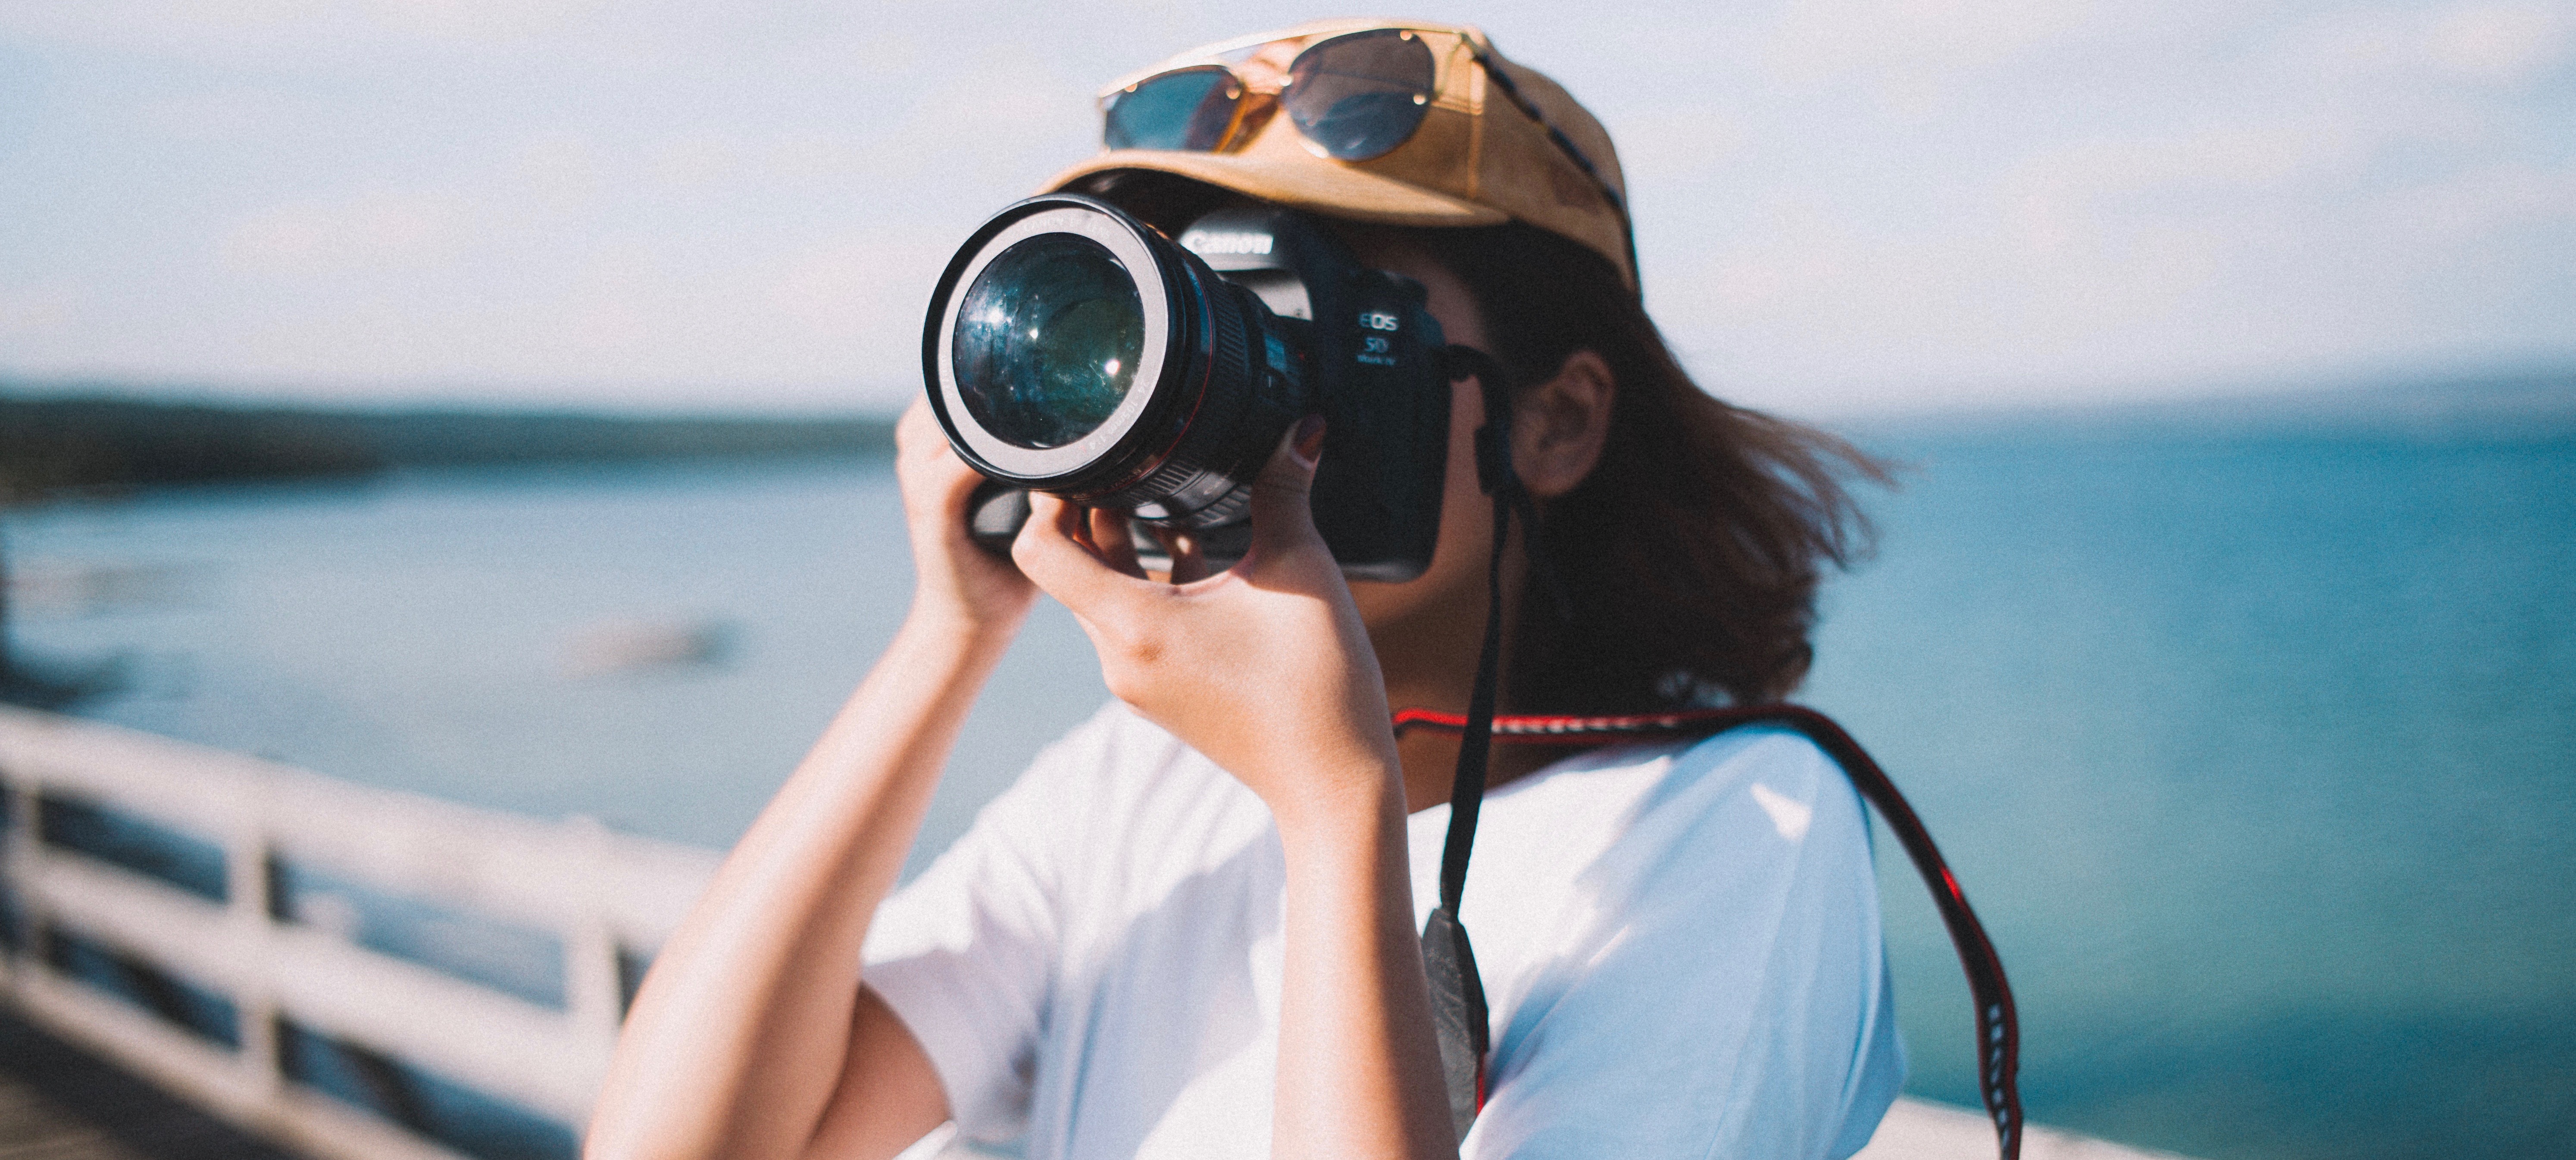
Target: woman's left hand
[{"x": 1264, "y": 668}]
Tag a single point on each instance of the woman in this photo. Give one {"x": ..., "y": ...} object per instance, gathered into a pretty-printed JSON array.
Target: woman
[{"x": 1189, "y": 930}]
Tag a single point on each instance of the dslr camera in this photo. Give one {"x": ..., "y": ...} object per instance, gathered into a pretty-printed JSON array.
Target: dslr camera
[{"x": 1074, "y": 349}]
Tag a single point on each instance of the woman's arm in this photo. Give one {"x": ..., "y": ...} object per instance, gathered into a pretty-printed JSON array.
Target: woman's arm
[
  {"x": 1267, "y": 671},
  {"x": 1359, "y": 1065},
  {"x": 751, "y": 1037}
]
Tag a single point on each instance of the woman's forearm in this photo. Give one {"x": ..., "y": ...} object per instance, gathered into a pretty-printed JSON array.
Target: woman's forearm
[
  {"x": 740, "y": 1034},
  {"x": 1359, "y": 1063}
]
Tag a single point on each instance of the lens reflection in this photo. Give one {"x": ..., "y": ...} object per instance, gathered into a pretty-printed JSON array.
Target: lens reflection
[{"x": 1047, "y": 340}]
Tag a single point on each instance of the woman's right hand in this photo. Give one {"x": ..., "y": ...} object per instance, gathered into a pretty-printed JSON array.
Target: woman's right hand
[{"x": 955, "y": 581}]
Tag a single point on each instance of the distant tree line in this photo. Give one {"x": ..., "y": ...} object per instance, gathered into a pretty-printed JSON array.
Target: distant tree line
[
  {"x": 105, "y": 443},
  {"x": 67, "y": 443}
]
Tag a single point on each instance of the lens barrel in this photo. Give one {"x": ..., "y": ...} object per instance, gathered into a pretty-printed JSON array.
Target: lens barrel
[{"x": 1072, "y": 349}]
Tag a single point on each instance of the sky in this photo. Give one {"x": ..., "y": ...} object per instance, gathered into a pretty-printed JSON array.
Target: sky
[{"x": 1843, "y": 206}]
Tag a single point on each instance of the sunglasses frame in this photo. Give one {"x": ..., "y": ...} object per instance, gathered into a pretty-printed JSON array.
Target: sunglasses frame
[{"x": 1254, "y": 107}]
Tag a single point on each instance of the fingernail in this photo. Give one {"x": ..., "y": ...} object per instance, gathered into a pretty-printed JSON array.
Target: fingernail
[{"x": 1310, "y": 439}]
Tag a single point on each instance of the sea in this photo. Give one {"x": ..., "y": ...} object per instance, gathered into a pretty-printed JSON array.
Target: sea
[{"x": 2255, "y": 746}]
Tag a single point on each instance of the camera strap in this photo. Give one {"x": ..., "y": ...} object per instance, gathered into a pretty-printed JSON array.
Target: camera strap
[{"x": 1458, "y": 1009}]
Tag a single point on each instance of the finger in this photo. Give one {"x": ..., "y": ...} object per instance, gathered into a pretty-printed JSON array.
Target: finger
[
  {"x": 907, "y": 428},
  {"x": 1282, "y": 517},
  {"x": 929, "y": 465},
  {"x": 918, "y": 432},
  {"x": 1114, "y": 542},
  {"x": 1053, "y": 551},
  {"x": 1189, "y": 564},
  {"x": 956, "y": 482}
]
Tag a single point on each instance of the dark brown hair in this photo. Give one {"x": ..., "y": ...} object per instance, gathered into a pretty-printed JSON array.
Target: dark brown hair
[{"x": 1691, "y": 554}]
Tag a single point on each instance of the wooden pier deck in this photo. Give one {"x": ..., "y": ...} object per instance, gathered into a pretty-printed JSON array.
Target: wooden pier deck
[
  {"x": 35, "y": 1128},
  {"x": 58, "y": 1102}
]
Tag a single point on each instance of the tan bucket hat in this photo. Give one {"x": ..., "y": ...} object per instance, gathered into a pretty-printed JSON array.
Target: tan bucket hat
[{"x": 1485, "y": 153}]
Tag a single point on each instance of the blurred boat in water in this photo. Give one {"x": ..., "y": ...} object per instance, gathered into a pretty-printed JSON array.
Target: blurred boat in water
[
  {"x": 632, "y": 646},
  {"x": 68, "y": 589}
]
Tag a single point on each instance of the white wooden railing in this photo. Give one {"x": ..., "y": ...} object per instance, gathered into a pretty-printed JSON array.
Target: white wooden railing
[{"x": 597, "y": 892}]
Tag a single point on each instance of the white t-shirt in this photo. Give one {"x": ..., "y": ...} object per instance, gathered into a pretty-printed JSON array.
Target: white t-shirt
[{"x": 1679, "y": 945}]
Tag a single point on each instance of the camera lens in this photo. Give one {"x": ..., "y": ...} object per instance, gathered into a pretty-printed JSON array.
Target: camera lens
[
  {"x": 1047, "y": 340},
  {"x": 1073, "y": 349}
]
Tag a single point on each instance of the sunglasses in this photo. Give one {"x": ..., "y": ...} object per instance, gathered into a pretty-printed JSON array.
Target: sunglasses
[{"x": 1355, "y": 97}]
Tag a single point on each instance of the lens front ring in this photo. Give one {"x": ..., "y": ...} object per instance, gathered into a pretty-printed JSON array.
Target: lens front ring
[
  {"x": 1217, "y": 379},
  {"x": 1045, "y": 466}
]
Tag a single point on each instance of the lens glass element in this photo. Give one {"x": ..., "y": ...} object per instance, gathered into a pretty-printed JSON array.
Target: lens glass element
[
  {"x": 1360, "y": 95},
  {"x": 1047, "y": 340}
]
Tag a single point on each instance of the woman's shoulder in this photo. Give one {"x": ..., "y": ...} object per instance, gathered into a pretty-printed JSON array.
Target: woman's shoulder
[
  {"x": 1700, "y": 916},
  {"x": 1784, "y": 773},
  {"x": 1754, "y": 778},
  {"x": 1674, "y": 832},
  {"x": 1760, "y": 749}
]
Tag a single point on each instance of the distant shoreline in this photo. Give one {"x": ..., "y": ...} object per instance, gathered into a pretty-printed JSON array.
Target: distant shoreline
[
  {"x": 102, "y": 438},
  {"x": 103, "y": 443}
]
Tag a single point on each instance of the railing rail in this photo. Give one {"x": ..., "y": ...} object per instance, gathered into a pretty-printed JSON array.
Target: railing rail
[{"x": 607, "y": 899}]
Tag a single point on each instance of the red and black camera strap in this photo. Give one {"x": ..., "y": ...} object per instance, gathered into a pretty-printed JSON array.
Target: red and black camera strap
[{"x": 1457, "y": 991}]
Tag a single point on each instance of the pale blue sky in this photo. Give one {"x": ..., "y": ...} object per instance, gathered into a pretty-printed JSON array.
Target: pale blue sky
[{"x": 1844, "y": 206}]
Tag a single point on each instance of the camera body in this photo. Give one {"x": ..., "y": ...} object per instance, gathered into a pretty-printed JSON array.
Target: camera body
[{"x": 1071, "y": 348}]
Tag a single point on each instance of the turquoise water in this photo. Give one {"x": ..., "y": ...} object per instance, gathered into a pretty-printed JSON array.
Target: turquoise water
[
  {"x": 2254, "y": 751},
  {"x": 2260, "y": 757}
]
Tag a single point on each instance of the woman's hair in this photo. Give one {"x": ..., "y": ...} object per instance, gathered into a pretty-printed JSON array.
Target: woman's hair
[{"x": 1690, "y": 555}]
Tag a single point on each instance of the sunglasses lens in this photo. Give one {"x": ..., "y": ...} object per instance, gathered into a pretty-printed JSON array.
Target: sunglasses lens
[
  {"x": 1360, "y": 95},
  {"x": 1189, "y": 109}
]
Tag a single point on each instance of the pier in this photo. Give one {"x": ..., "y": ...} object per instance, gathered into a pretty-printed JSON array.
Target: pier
[{"x": 257, "y": 961}]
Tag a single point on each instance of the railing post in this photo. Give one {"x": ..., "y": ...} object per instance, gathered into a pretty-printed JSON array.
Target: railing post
[
  {"x": 23, "y": 870},
  {"x": 249, "y": 910},
  {"x": 594, "y": 1002}
]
